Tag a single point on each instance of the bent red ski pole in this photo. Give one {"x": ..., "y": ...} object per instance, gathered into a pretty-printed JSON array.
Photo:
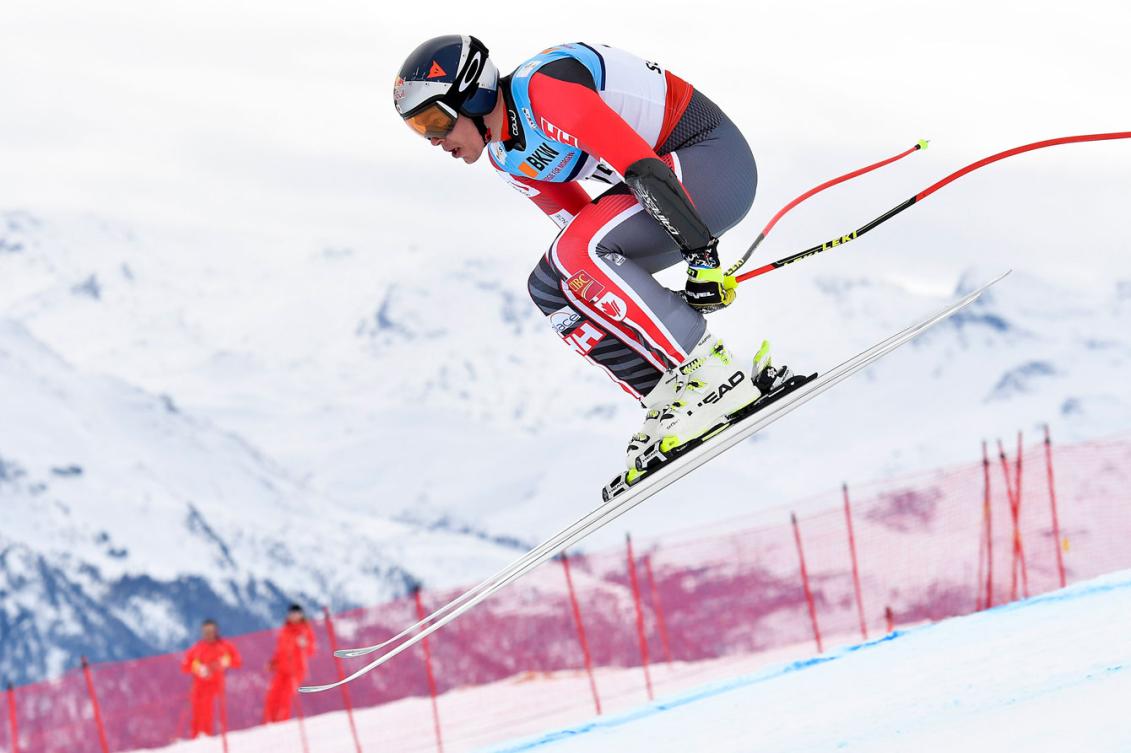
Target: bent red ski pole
[
  {"x": 841, "y": 240},
  {"x": 922, "y": 144}
]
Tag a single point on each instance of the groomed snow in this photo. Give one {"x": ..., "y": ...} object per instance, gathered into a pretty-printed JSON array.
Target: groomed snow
[{"x": 1049, "y": 674}]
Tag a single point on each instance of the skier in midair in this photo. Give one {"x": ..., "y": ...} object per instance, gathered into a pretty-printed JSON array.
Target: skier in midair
[{"x": 681, "y": 175}]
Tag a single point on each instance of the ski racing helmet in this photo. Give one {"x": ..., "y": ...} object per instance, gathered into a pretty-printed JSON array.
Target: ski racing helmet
[{"x": 443, "y": 78}]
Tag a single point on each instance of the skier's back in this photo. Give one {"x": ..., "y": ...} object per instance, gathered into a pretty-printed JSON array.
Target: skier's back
[{"x": 682, "y": 174}]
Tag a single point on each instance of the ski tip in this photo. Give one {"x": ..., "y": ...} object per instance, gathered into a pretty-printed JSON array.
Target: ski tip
[
  {"x": 923, "y": 143},
  {"x": 998, "y": 279},
  {"x": 317, "y": 688},
  {"x": 977, "y": 292},
  {"x": 353, "y": 653}
]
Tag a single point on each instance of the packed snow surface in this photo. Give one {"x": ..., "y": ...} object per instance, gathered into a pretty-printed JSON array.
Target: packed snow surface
[{"x": 1052, "y": 673}]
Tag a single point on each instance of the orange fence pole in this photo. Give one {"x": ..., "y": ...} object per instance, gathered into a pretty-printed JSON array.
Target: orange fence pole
[
  {"x": 658, "y": 608},
  {"x": 1018, "y": 560},
  {"x": 333, "y": 639},
  {"x": 805, "y": 583},
  {"x": 575, "y": 607},
  {"x": 431, "y": 677},
  {"x": 981, "y": 565},
  {"x": 94, "y": 705},
  {"x": 1052, "y": 503},
  {"x": 223, "y": 711},
  {"x": 855, "y": 564},
  {"x": 988, "y": 525},
  {"x": 889, "y": 618},
  {"x": 1017, "y": 487},
  {"x": 639, "y": 616},
  {"x": 13, "y": 725},
  {"x": 301, "y": 723}
]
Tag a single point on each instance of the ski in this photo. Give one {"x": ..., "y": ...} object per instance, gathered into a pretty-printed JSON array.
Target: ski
[{"x": 651, "y": 483}]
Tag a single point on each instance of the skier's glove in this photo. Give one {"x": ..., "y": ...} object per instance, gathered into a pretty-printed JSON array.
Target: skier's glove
[{"x": 707, "y": 289}]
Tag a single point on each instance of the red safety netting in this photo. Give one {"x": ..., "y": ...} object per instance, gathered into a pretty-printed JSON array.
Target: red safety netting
[{"x": 927, "y": 546}]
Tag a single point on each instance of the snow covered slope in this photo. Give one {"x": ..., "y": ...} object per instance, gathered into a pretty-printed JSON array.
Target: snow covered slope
[
  {"x": 1046, "y": 675},
  {"x": 121, "y": 511}
]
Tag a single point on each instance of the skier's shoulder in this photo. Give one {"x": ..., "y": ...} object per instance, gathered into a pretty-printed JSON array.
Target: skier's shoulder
[
  {"x": 535, "y": 148},
  {"x": 573, "y": 59}
]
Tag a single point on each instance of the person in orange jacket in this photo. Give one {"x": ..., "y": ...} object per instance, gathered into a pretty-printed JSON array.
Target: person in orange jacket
[
  {"x": 294, "y": 646},
  {"x": 207, "y": 661}
]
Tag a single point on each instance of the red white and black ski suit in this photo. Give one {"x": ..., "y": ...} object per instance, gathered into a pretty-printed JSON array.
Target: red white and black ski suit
[{"x": 681, "y": 173}]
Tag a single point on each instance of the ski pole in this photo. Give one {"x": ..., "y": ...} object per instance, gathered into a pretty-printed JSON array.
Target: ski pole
[
  {"x": 841, "y": 240},
  {"x": 922, "y": 144}
]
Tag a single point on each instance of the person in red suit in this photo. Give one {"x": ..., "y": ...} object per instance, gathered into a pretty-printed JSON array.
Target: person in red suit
[
  {"x": 294, "y": 646},
  {"x": 207, "y": 661}
]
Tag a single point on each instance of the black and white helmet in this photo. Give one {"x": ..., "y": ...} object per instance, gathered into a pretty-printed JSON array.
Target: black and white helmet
[{"x": 443, "y": 78}]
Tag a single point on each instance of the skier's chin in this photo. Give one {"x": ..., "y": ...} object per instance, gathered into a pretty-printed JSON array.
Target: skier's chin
[{"x": 471, "y": 156}]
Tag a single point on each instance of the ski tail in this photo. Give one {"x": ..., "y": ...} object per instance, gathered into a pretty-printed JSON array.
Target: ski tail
[{"x": 645, "y": 488}]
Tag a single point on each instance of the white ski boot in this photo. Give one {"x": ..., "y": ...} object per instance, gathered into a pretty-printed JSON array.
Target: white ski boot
[
  {"x": 655, "y": 402},
  {"x": 713, "y": 385}
]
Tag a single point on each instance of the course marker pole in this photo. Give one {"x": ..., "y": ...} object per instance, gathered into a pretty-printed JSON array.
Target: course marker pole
[
  {"x": 1055, "y": 517},
  {"x": 13, "y": 725},
  {"x": 94, "y": 706},
  {"x": 332, "y": 635},
  {"x": 855, "y": 564},
  {"x": 639, "y": 616},
  {"x": 1017, "y": 487},
  {"x": 431, "y": 677},
  {"x": 658, "y": 609},
  {"x": 988, "y": 528},
  {"x": 1018, "y": 551},
  {"x": 575, "y": 607},
  {"x": 805, "y": 584}
]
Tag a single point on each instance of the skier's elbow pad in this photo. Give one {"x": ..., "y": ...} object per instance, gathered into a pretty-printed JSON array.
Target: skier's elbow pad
[{"x": 659, "y": 192}]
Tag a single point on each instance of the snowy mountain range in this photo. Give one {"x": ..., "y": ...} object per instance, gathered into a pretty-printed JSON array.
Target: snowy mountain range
[{"x": 206, "y": 426}]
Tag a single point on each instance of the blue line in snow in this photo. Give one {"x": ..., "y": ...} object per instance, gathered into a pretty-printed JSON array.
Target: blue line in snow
[{"x": 727, "y": 686}]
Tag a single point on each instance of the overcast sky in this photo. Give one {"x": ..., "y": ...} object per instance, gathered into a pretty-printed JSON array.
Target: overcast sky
[{"x": 275, "y": 118}]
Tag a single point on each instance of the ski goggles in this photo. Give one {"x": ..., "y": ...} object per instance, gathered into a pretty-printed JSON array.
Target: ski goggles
[{"x": 434, "y": 121}]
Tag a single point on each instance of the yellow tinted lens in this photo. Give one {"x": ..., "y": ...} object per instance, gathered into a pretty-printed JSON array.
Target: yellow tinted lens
[{"x": 432, "y": 123}]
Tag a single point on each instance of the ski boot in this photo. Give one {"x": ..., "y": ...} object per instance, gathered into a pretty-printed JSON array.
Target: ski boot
[
  {"x": 713, "y": 391},
  {"x": 714, "y": 387},
  {"x": 655, "y": 403}
]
